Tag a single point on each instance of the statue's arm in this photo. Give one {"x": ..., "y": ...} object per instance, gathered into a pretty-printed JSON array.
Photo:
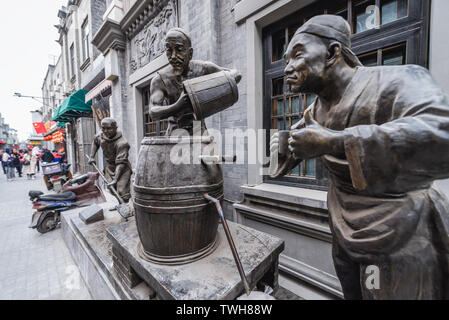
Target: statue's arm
[
  {"x": 212, "y": 68},
  {"x": 94, "y": 149},
  {"x": 121, "y": 161},
  {"x": 157, "y": 97},
  {"x": 410, "y": 151},
  {"x": 119, "y": 171}
]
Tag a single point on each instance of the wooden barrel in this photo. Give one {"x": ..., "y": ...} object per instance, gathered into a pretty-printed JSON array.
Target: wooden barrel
[
  {"x": 176, "y": 224},
  {"x": 211, "y": 93}
]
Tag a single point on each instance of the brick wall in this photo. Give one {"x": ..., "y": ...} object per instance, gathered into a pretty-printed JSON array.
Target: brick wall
[
  {"x": 215, "y": 37},
  {"x": 98, "y": 8}
]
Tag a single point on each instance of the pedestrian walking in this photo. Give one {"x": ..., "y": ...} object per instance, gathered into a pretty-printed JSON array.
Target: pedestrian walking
[
  {"x": 4, "y": 158},
  {"x": 16, "y": 162},
  {"x": 29, "y": 165},
  {"x": 37, "y": 153},
  {"x": 11, "y": 168}
]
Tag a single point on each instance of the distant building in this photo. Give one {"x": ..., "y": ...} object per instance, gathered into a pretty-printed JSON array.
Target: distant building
[
  {"x": 79, "y": 67},
  {"x": 8, "y": 136}
]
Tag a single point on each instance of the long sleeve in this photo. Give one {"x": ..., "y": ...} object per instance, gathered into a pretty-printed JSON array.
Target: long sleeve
[
  {"x": 412, "y": 149},
  {"x": 122, "y": 153}
]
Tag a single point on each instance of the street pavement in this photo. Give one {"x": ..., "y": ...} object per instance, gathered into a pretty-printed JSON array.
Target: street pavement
[
  {"x": 39, "y": 266},
  {"x": 33, "y": 265}
]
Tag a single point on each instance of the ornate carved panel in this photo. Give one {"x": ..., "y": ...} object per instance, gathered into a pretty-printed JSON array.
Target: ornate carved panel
[{"x": 148, "y": 43}]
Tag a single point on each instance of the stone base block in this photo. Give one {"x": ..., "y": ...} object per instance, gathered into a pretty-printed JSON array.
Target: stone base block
[
  {"x": 215, "y": 277},
  {"x": 92, "y": 252},
  {"x": 91, "y": 214}
]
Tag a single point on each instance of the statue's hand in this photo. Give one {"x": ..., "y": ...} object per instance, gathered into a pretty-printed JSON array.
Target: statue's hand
[
  {"x": 315, "y": 141},
  {"x": 92, "y": 162},
  {"x": 183, "y": 102},
  {"x": 112, "y": 184},
  {"x": 236, "y": 75}
]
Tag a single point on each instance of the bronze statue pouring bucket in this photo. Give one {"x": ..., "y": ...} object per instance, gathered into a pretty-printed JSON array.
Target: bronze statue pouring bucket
[
  {"x": 176, "y": 224},
  {"x": 211, "y": 93}
]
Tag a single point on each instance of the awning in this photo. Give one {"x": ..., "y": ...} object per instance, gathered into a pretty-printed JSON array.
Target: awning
[
  {"x": 73, "y": 107},
  {"x": 99, "y": 89}
]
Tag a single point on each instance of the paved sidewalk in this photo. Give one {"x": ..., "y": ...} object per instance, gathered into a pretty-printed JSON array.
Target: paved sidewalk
[{"x": 32, "y": 265}]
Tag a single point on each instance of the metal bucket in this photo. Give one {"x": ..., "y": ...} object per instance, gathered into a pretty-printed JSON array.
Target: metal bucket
[
  {"x": 211, "y": 93},
  {"x": 176, "y": 224}
]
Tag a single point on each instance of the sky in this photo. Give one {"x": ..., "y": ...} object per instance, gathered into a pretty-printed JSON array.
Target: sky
[{"x": 28, "y": 34}]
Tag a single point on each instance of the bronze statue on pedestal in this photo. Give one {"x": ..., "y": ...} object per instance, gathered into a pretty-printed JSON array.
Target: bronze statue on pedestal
[
  {"x": 115, "y": 150},
  {"x": 383, "y": 134},
  {"x": 176, "y": 223},
  {"x": 168, "y": 97}
]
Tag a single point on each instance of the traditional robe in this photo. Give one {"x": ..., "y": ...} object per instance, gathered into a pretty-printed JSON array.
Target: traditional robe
[
  {"x": 116, "y": 151},
  {"x": 384, "y": 208}
]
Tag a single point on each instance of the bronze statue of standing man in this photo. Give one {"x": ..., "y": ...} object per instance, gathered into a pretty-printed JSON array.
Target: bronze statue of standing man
[
  {"x": 115, "y": 150},
  {"x": 383, "y": 134},
  {"x": 168, "y": 98}
]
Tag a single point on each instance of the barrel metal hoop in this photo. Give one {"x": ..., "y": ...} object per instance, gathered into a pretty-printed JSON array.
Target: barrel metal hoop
[
  {"x": 178, "y": 190},
  {"x": 171, "y": 209},
  {"x": 195, "y": 102},
  {"x": 177, "y": 140},
  {"x": 181, "y": 259},
  {"x": 233, "y": 86}
]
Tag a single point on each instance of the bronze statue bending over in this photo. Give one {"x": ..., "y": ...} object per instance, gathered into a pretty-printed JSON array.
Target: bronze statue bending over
[
  {"x": 168, "y": 99},
  {"x": 383, "y": 133},
  {"x": 115, "y": 150}
]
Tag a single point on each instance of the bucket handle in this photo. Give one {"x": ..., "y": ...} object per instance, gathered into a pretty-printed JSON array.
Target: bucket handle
[{"x": 216, "y": 159}]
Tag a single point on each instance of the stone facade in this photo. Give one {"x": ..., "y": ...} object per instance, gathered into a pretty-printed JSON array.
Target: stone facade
[{"x": 80, "y": 66}]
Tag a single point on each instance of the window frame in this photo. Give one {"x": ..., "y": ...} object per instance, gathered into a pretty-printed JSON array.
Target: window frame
[
  {"x": 413, "y": 30},
  {"x": 158, "y": 127},
  {"x": 72, "y": 60},
  {"x": 85, "y": 39}
]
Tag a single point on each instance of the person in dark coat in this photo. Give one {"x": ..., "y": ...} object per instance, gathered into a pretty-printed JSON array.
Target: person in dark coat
[
  {"x": 17, "y": 162},
  {"x": 47, "y": 156}
]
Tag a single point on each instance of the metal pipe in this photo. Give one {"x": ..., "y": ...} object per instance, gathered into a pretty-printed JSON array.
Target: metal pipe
[{"x": 231, "y": 243}]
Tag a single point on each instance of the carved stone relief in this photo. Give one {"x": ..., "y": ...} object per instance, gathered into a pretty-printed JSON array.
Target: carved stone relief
[{"x": 148, "y": 44}]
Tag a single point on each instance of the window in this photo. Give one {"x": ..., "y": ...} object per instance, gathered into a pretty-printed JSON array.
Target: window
[
  {"x": 287, "y": 110},
  {"x": 72, "y": 60},
  {"x": 393, "y": 10},
  {"x": 365, "y": 15},
  {"x": 369, "y": 15},
  {"x": 376, "y": 40},
  {"x": 151, "y": 128},
  {"x": 85, "y": 39},
  {"x": 390, "y": 56}
]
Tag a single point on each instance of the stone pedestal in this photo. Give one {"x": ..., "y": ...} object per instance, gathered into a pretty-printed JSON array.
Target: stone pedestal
[{"x": 214, "y": 277}]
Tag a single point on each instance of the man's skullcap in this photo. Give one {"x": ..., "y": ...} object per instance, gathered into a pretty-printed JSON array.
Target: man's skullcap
[
  {"x": 328, "y": 26},
  {"x": 183, "y": 32}
]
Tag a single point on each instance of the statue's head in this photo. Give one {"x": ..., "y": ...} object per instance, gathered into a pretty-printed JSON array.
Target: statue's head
[
  {"x": 316, "y": 48},
  {"x": 178, "y": 48},
  {"x": 109, "y": 127}
]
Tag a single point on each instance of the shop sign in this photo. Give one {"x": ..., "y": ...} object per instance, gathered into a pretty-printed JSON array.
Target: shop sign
[
  {"x": 101, "y": 110},
  {"x": 35, "y": 143}
]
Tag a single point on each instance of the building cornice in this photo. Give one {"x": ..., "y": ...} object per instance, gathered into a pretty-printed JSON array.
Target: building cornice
[
  {"x": 109, "y": 36},
  {"x": 139, "y": 15}
]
